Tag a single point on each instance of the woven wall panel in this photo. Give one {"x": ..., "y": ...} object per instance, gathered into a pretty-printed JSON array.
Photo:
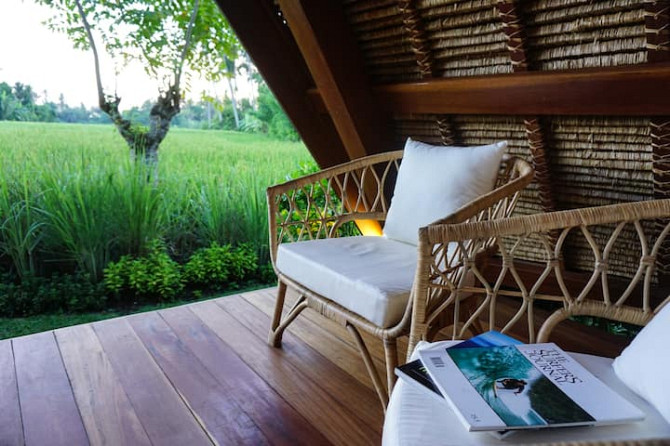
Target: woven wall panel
[
  {"x": 598, "y": 161},
  {"x": 465, "y": 37},
  {"x": 378, "y": 27},
  {"x": 611, "y": 155},
  {"x": 593, "y": 160},
  {"x": 574, "y": 34}
]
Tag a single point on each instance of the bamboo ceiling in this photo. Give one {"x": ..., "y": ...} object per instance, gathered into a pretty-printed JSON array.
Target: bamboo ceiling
[{"x": 356, "y": 50}]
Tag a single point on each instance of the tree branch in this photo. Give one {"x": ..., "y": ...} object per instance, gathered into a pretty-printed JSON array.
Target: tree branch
[
  {"x": 167, "y": 105},
  {"x": 110, "y": 107},
  {"x": 101, "y": 94},
  {"x": 187, "y": 43}
]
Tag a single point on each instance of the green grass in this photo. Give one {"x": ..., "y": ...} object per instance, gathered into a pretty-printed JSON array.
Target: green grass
[{"x": 76, "y": 197}]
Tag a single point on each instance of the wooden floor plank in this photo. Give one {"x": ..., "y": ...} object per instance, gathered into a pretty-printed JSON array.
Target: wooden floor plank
[
  {"x": 340, "y": 385},
  {"x": 336, "y": 422},
  {"x": 11, "y": 428},
  {"x": 50, "y": 414},
  {"x": 320, "y": 337},
  {"x": 223, "y": 418},
  {"x": 108, "y": 416},
  {"x": 275, "y": 417},
  {"x": 362, "y": 400},
  {"x": 164, "y": 415}
]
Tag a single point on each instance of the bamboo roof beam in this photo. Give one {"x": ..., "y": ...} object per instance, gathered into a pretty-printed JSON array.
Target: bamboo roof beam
[
  {"x": 332, "y": 55},
  {"x": 274, "y": 52}
]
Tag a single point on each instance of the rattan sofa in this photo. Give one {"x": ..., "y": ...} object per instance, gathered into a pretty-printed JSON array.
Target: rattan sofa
[
  {"x": 326, "y": 204},
  {"x": 467, "y": 297}
]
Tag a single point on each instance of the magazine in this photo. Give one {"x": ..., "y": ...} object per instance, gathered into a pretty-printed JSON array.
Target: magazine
[
  {"x": 523, "y": 386},
  {"x": 415, "y": 373}
]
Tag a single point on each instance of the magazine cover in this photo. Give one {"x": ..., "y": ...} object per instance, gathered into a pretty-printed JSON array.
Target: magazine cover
[
  {"x": 523, "y": 386},
  {"x": 415, "y": 373}
]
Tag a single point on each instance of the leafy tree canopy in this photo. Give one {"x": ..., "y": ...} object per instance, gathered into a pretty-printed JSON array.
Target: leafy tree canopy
[
  {"x": 152, "y": 32},
  {"x": 165, "y": 36}
]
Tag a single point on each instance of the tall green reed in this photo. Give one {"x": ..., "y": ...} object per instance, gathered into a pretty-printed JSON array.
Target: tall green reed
[
  {"x": 77, "y": 209},
  {"x": 139, "y": 216},
  {"x": 21, "y": 224},
  {"x": 85, "y": 203}
]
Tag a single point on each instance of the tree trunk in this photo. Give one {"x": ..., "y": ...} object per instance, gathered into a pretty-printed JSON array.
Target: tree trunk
[
  {"x": 143, "y": 143},
  {"x": 233, "y": 101}
]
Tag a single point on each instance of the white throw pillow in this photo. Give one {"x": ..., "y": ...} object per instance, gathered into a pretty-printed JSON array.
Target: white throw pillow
[
  {"x": 434, "y": 181},
  {"x": 643, "y": 366}
]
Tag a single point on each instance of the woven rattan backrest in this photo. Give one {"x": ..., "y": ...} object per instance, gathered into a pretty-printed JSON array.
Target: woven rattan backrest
[
  {"x": 600, "y": 228},
  {"x": 320, "y": 205}
]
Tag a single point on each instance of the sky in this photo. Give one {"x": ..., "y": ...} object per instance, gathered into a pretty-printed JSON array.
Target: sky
[{"x": 31, "y": 54}]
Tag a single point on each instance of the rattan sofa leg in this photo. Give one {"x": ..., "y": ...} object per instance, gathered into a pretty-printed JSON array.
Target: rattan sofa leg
[
  {"x": 391, "y": 354},
  {"x": 369, "y": 364},
  {"x": 278, "y": 327},
  {"x": 273, "y": 340}
]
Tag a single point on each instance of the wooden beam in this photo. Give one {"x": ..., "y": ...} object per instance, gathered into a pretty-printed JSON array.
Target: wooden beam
[
  {"x": 508, "y": 11},
  {"x": 657, "y": 27},
  {"x": 269, "y": 42},
  {"x": 331, "y": 53},
  {"x": 633, "y": 90}
]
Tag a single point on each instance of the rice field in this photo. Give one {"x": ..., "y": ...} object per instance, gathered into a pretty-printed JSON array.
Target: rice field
[{"x": 71, "y": 200}]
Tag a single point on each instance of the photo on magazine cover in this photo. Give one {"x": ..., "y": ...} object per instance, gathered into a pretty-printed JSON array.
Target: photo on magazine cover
[{"x": 516, "y": 391}]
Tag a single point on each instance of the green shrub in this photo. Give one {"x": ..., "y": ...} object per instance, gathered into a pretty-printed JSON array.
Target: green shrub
[
  {"x": 155, "y": 276},
  {"x": 56, "y": 294},
  {"x": 266, "y": 274},
  {"x": 221, "y": 266}
]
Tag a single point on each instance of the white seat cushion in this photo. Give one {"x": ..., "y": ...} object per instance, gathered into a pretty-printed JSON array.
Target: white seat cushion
[
  {"x": 370, "y": 276},
  {"x": 414, "y": 417}
]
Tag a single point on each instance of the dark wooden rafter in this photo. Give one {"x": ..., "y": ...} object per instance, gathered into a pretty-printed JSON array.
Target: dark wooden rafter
[
  {"x": 332, "y": 56},
  {"x": 657, "y": 28},
  {"x": 516, "y": 44},
  {"x": 587, "y": 92},
  {"x": 269, "y": 42},
  {"x": 413, "y": 27}
]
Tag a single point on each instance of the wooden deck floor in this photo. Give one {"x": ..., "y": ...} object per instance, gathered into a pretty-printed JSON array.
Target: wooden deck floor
[{"x": 193, "y": 375}]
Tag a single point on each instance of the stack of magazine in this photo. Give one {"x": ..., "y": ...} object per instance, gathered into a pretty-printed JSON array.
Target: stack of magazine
[{"x": 495, "y": 383}]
